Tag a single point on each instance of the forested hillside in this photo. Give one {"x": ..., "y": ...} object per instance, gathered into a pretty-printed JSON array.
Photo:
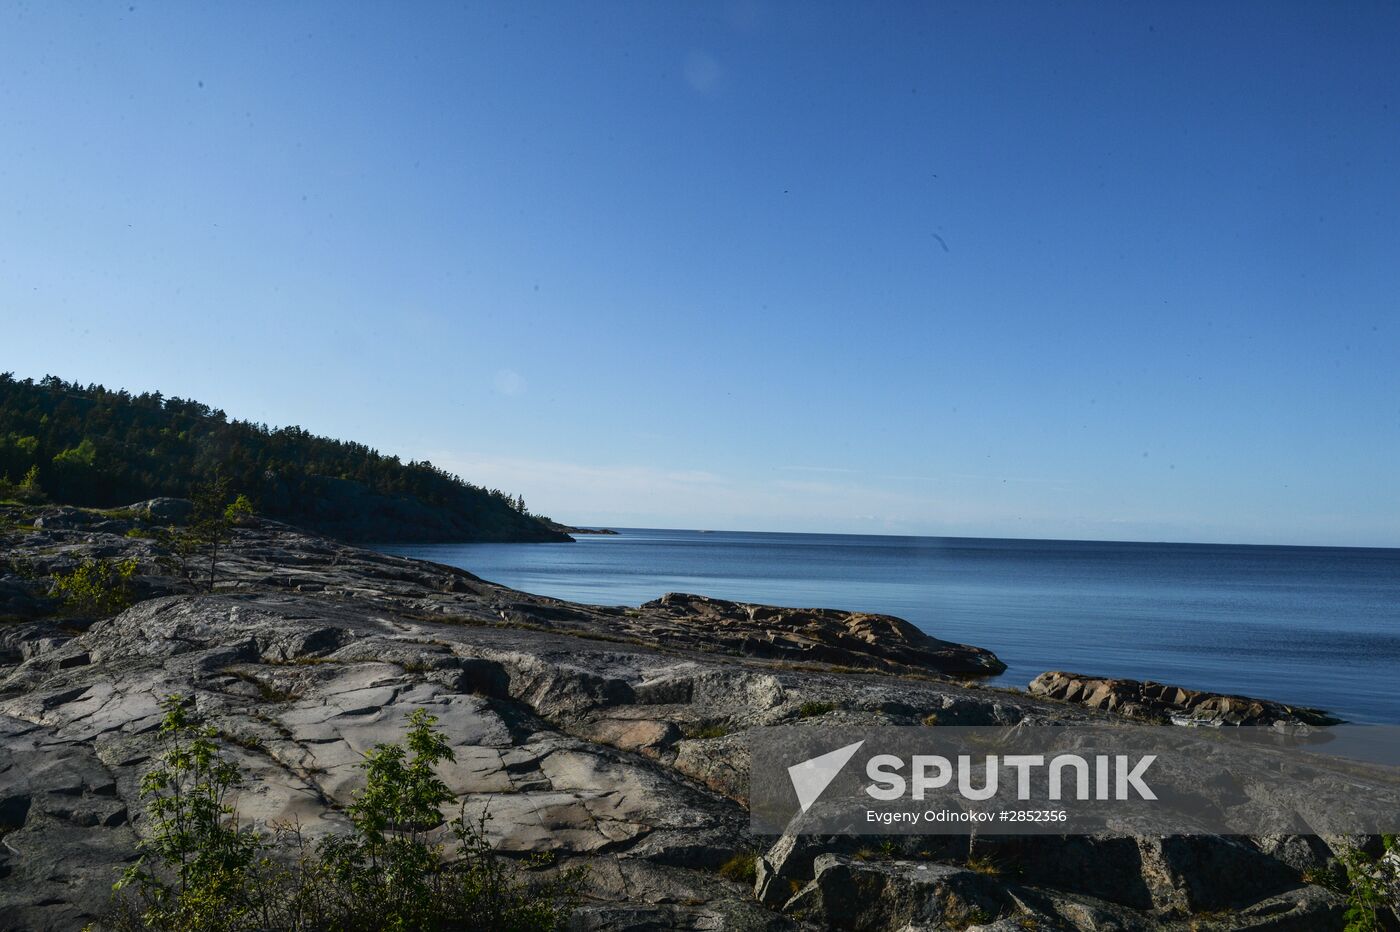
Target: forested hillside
[{"x": 87, "y": 445}]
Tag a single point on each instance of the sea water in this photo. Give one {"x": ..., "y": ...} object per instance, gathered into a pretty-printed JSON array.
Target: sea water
[{"x": 1313, "y": 626}]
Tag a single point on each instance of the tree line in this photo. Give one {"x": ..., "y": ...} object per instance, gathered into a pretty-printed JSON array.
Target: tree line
[{"x": 90, "y": 445}]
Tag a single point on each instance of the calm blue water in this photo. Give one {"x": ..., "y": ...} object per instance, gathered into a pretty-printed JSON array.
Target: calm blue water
[{"x": 1317, "y": 626}]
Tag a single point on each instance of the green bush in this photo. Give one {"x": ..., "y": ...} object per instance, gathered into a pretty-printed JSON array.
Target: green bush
[
  {"x": 97, "y": 587},
  {"x": 28, "y": 489},
  {"x": 202, "y": 866},
  {"x": 200, "y": 871},
  {"x": 239, "y": 511},
  {"x": 1369, "y": 888}
]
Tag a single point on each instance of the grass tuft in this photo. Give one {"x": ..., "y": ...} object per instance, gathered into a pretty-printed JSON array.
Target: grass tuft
[
  {"x": 741, "y": 868},
  {"x": 715, "y": 730}
]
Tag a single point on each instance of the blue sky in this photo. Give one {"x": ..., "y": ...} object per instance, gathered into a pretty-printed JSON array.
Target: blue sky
[{"x": 1105, "y": 270}]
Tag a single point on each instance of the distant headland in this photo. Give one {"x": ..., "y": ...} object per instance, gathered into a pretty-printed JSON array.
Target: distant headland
[{"x": 92, "y": 446}]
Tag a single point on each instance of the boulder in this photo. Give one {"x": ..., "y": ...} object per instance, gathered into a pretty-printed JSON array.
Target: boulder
[
  {"x": 62, "y": 518},
  {"x": 1209, "y": 873},
  {"x": 164, "y": 510}
]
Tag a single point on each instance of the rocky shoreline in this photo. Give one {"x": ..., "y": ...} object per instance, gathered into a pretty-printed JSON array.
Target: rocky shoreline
[
  {"x": 612, "y": 737},
  {"x": 1163, "y": 704}
]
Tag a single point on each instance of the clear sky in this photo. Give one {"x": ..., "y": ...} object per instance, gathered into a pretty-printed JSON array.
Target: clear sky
[{"x": 1106, "y": 270}]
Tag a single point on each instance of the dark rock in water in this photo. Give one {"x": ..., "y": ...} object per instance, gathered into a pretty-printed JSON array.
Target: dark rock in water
[
  {"x": 1145, "y": 699},
  {"x": 827, "y": 635}
]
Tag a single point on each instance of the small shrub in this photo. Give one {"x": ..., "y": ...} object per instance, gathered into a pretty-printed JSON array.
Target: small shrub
[
  {"x": 930, "y": 719},
  {"x": 239, "y": 511},
  {"x": 984, "y": 865},
  {"x": 1369, "y": 885},
  {"x": 887, "y": 851},
  {"x": 195, "y": 548},
  {"x": 244, "y": 741},
  {"x": 813, "y": 709},
  {"x": 387, "y": 875},
  {"x": 97, "y": 587},
  {"x": 28, "y": 489},
  {"x": 199, "y": 872},
  {"x": 741, "y": 868},
  {"x": 1333, "y": 877},
  {"x": 197, "y": 868},
  {"x": 706, "y": 731}
]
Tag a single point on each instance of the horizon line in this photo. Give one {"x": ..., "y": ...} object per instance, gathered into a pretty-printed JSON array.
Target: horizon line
[{"x": 1047, "y": 540}]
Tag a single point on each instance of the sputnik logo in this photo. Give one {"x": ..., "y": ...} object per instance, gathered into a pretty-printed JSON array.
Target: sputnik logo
[{"x": 811, "y": 777}]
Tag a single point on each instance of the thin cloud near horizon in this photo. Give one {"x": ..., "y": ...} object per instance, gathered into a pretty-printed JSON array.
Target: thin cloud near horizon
[{"x": 638, "y": 495}]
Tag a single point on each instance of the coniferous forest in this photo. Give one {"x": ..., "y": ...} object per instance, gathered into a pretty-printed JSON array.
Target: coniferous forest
[{"x": 92, "y": 446}]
